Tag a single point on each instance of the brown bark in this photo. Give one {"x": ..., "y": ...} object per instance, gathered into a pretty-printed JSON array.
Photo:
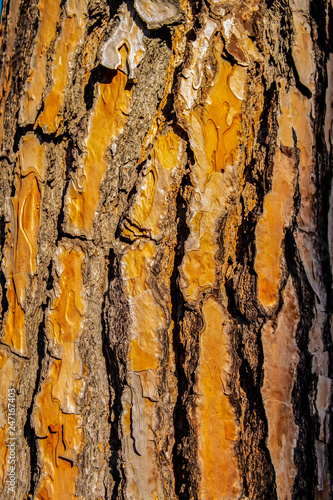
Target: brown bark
[{"x": 166, "y": 242}]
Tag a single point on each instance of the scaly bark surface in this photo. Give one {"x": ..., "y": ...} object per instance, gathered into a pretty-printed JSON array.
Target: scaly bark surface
[{"x": 167, "y": 249}]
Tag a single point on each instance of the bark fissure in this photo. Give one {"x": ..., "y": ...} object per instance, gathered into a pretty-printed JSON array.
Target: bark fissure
[
  {"x": 304, "y": 454},
  {"x": 113, "y": 346},
  {"x": 165, "y": 234},
  {"x": 183, "y": 451},
  {"x": 4, "y": 301},
  {"x": 29, "y": 432}
]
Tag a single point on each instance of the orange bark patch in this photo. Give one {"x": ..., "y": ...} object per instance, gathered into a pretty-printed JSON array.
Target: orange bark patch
[
  {"x": 278, "y": 206},
  {"x": 144, "y": 352},
  {"x": 166, "y": 148},
  {"x": 21, "y": 245},
  {"x": 31, "y": 99},
  {"x": 214, "y": 127},
  {"x": 214, "y": 417},
  {"x": 150, "y": 205},
  {"x": 280, "y": 363},
  {"x": 106, "y": 123},
  {"x": 60, "y": 444},
  {"x": 135, "y": 264},
  {"x": 147, "y": 315},
  {"x": 27, "y": 210},
  {"x": 56, "y": 414},
  {"x": 199, "y": 265},
  {"x": 221, "y": 117},
  {"x": 65, "y": 319},
  {"x": 14, "y": 331},
  {"x": 31, "y": 156},
  {"x": 140, "y": 399},
  {"x": 302, "y": 109},
  {"x": 214, "y": 134}
]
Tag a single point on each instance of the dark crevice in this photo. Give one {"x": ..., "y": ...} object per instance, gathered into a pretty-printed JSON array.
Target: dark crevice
[
  {"x": 118, "y": 233},
  {"x": 255, "y": 460},
  {"x": 100, "y": 74},
  {"x": 19, "y": 133},
  {"x": 304, "y": 453},
  {"x": 114, "y": 6},
  {"x": 4, "y": 301},
  {"x": 115, "y": 319},
  {"x": 49, "y": 282},
  {"x": 261, "y": 177},
  {"x": 99, "y": 14},
  {"x": 52, "y": 139},
  {"x": 4, "y": 157},
  {"x": 61, "y": 217},
  {"x": 162, "y": 33},
  {"x": 330, "y": 27},
  {"x": 263, "y": 485},
  {"x": 287, "y": 18},
  {"x": 327, "y": 274},
  {"x": 287, "y": 33},
  {"x": 184, "y": 447},
  {"x": 320, "y": 13},
  {"x": 3, "y": 19},
  {"x": 70, "y": 236},
  {"x": 255, "y": 463},
  {"x": 29, "y": 432}
]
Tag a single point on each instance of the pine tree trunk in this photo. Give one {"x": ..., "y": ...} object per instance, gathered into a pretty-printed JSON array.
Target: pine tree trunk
[{"x": 167, "y": 250}]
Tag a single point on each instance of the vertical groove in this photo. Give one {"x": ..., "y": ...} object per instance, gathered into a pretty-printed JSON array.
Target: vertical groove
[
  {"x": 304, "y": 454},
  {"x": 114, "y": 323},
  {"x": 185, "y": 349},
  {"x": 29, "y": 432}
]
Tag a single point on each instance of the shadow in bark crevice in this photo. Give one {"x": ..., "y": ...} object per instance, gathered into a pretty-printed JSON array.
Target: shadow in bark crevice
[
  {"x": 304, "y": 453},
  {"x": 255, "y": 463},
  {"x": 115, "y": 316},
  {"x": 4, "y": 300},
  {"x": 184, "y": 451},
  {"x": 29, "y": 433}
]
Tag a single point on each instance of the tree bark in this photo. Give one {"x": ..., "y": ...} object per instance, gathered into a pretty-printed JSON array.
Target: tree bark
[{"x": 166, "y": 242}]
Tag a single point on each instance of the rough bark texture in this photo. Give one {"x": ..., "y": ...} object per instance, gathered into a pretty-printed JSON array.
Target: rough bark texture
[{"x": 167, "y": 249}]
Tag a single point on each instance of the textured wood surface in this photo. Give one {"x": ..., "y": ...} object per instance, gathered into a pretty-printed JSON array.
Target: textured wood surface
[{"x": 166, "y": 243}]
